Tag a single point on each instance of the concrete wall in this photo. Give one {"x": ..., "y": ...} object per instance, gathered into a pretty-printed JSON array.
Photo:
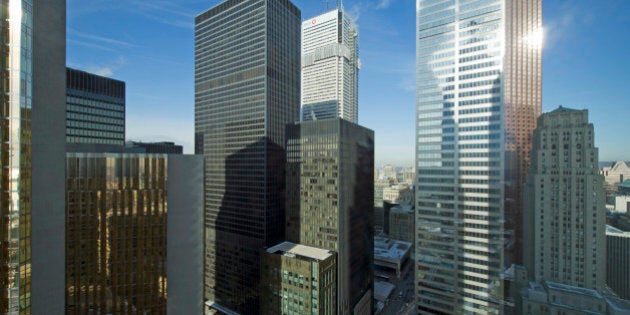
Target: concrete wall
[
  {"x": 184, "y": 227},
  {"x": 49, "y": 158}
]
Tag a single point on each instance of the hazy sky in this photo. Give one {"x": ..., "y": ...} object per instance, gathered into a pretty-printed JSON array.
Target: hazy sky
[{"x": 149, "y": 44}]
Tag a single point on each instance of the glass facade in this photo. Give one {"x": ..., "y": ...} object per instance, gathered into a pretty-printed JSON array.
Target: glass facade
[
  {"x": 330, "y": 196},
  {"x": 16, "y": 40},
  {"x": 116, "y": 208},
  {"x": 247, "y": 89},
  {"x": 95, "y": 109},
  {"x": 478, "y": 96},
  {"x": 330, "y": 67}
]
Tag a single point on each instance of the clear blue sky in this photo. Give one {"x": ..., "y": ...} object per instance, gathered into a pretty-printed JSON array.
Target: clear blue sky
[{"x": 149, "y": 44}]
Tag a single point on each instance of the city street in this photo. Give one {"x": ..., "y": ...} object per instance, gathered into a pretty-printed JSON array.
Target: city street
[{"x": 397, "y": 305}]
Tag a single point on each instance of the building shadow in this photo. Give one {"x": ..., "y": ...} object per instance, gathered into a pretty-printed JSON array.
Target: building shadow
[{"x": 250, "y": 218}]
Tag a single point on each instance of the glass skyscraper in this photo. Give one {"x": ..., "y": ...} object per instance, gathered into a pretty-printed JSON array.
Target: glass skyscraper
[
  {"x": 478, "y": 97},
  {"x": 247, "y": 89},
  {"x": 16, "y": 40},
  {"x": 330, "y": 67}
]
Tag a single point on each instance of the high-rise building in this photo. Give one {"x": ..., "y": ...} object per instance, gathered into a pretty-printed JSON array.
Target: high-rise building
[
  {"x": 157, "y": 147},
  {"x": 478, "y": 96},
  {"x": 330, "y": 67},
  {"x": 402, "y": 223},
  {"x": 95, "y": 109},
  {"x": 617, "y": 259},
  {"x": 32, "y": 45},
  {"x": 564, "y": 210},
  {"x": 298, "y": 279},
  {"x": 134, "y": 233},
  {"x": 247, "y": 89},
  {"x": 330, "y": 165}
]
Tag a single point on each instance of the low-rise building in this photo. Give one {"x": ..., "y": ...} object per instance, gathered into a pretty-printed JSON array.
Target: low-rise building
[
  {"x": 549, "y": 298},
  {"x": 615, "y": 174},
  {"x": 390, "y": 254},
  {"x": 298, "y": 279}
]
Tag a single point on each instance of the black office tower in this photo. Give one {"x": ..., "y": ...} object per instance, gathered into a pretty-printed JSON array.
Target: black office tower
[
  {"x": 330, "y": 201},
  {"x": 247, "y": 89},
  {"x": 95, "y": 109}
]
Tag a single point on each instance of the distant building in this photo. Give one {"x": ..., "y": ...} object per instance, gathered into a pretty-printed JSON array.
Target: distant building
[
  {"x": 389, "y": 171},
  {"x": 134, "y": 233},
  {"x": 624, "y": 187},
  {"x": 402, "y": 223},
  {"x": 379, "y": 187},
  {"x": 330, "y": 67},
  {"x": 391, "y": 255},
  {"x": 617, "y": 173},
  {"x": 95, "y": 109},
  {"x": 551, "y": 298},
  {"x": 564, "y": 209},
  {"x": 157, "y": 147},
  {"x": 330, "y": 165},
  {"x": 401, "y": 194},
  {"x": 409, "y": 175},
  {"x": 618, "y": 261},
  {"x": 298, "y": 279}
]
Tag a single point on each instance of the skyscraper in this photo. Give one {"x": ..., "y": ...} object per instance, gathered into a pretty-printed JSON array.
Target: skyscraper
[
  {"x": 330, "y": 172},
  {"x": 330, "y": 67},
  {"x": 564, "y": 212},
  {"x": 478, "y": 96},
  {"x": 617, "y": 258},
  {"x": 247, "y": 89},
  {"x": 32, "y": 44},
  {"x": 95, "y": 109}
]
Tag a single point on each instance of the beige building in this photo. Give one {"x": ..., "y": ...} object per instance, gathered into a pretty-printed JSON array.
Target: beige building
[
  {"x": 564, "y": 217},
  {"x": 400, "y": 194},
  {"x": 615, "y": 174},
  {"x": 298, "y": 279}
]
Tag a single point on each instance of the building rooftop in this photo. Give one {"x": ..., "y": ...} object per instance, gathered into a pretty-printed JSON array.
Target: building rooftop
[
  {"x": 385, "y": 248},
  {"x": 562, "y": 109},
  {"x": 291, "y": 249},
  {"x": 572, "y": 289},
  {"x": 382, "y": 290},
  {"x": 611, "y": 230}
]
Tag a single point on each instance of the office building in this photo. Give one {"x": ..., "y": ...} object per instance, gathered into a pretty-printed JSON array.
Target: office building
[
  {"x": 618, "y": 261},
  {"x": 400, "y": 194},
  {"x": 95, "y": 108},
  {"x": 564, "y": 209},
  {"x": 298, "y": 279},
  {"x": 330, "y": 165},
  {"x": 156, "y": 147},
  {"x": 134, "y": 233},
  {"x": 31, "y": 212},
  {"x": 330, "y": 67},
  {"x": 478, "y": 96},
  {"x": 389, "y": 172},
  {"x": 402, "y": 222},
  {"x": 391, "y": 255},
  {"x": 247, "y": 89}
]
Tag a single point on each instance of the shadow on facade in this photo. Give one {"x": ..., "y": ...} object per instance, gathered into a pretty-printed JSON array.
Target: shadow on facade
[{"x": 250, "y": 218}]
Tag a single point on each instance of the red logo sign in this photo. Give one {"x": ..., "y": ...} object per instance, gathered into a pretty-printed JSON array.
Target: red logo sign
[{"x": 314, "y": 21}]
